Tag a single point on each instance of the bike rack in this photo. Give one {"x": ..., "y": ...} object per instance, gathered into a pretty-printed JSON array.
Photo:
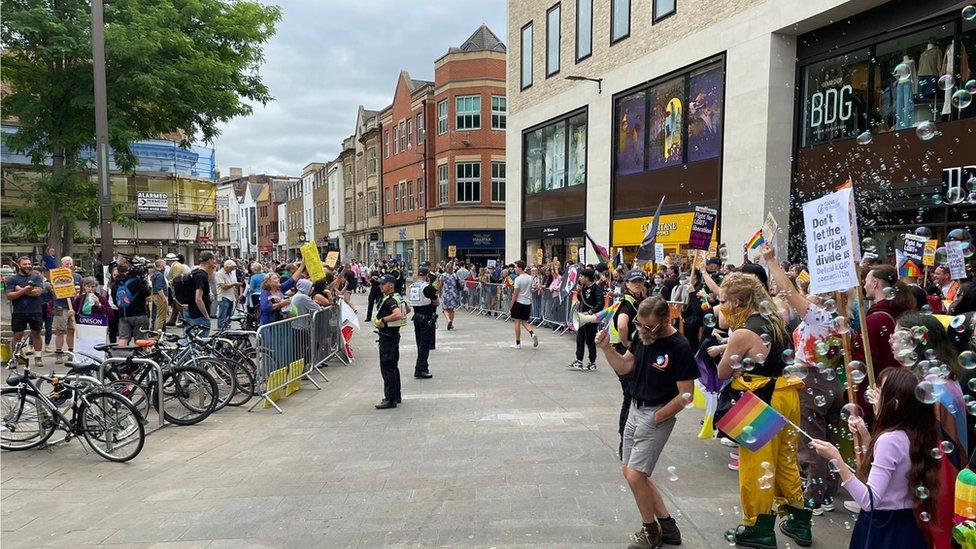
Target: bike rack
[{"x": 159, "y": 383}]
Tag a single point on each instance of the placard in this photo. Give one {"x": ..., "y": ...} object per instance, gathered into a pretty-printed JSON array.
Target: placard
[
  {"x": 313, "y": 262},
  {"x": 332, "y": 259},
  {"x": 956, "y": 261},
  {"x": 658, "y": 253},
  {"x": 491, "y": 263},
  {"x": 90, "y": 330},
  {"x": 63, "y": 282},
  {"x": 581, "y": 255},
  {"x": 538, "y": 256},
  {"x": 830, "y": 247},
  {"x": 452, "y": 251},
  {"x": 702, "y": 227},
  {"x": 928, "y": 254},
  {"x": 914, "y": 247}
]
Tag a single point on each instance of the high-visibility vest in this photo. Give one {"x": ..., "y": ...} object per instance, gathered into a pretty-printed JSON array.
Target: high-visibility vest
[
  {"x": 403, "y": 311},
  {"x": 416, "y": 294},
  {"x": 614, "y": 333}
]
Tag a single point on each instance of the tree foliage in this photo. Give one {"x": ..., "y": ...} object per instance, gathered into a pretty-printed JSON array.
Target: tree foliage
[{"x": 172, "y": 66}]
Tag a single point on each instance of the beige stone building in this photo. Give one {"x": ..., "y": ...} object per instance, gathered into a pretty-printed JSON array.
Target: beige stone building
[
  {"x": 361, "y": 165},
  {"x": 737, "y": 105}
]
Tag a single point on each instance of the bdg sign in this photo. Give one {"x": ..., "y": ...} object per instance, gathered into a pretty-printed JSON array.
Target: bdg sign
[{"x": 147, "y": 202}]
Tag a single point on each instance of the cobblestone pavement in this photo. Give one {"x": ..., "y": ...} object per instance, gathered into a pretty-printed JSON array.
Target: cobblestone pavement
[{"x": 502, "y": 447}]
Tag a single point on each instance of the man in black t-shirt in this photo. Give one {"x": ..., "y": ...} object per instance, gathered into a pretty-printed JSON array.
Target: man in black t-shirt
[
  {"x": 198, "y": 311},
  {"x": 590, "y": 303},
  {"x": 24, "y": 291},
  {"x": 662, "y": 373}
]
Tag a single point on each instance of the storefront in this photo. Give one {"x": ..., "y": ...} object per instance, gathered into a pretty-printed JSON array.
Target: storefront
[
  {"x": 402, "y": 245},
  {"x": 554, "y": 187},
  {"x": 473, "y": 246},
  {"x": 667, "y": 143},
  {"x": 893, "y": 111}
]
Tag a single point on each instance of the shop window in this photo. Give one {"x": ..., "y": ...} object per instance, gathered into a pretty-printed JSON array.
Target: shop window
[
  {"x": 630, "y": 132},
  {"x": 468, "y": 181},
  {"x": 498, "y": 182},
  {"x": 704, "y": 117},
  {"x": 665, "y": 135},
  {"x": 577, "y": 150},
  {"x": 553, "y": 36},
  {"x": 442, "y": 184},
  {"x": 835, "y": 94},
  {"x": 525, "y": 48},
  {"x": 584, "y": 29},
  {"x": 547, "y": 165}
]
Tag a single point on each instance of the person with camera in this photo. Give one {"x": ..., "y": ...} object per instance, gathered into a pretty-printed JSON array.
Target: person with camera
[
  {"x": 422, "y": 297},
  {"x": 24, "y": 292},
  {"x": 131, "y": 294}
]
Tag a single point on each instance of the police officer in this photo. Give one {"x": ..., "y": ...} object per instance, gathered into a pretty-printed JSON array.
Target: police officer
[
  {"x": 422, "y": 297},
  {"x": 374, "y": 290},
  {"x": 390, "y": 317}
]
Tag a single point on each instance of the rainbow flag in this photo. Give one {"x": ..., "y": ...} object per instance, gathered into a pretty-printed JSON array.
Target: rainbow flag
[
  {"x": 756, "y": 241},
  {"x": 965, "y": 495},
  {"x": 752, "y": 422}
]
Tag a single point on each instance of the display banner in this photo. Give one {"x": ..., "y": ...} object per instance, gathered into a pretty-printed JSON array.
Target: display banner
[
  {"x": 830, "y": 247},
  {"x": 702, "y": 227},
  {"x": 90, "y": 330}
]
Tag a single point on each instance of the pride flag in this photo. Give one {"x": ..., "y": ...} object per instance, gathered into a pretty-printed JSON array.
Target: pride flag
[
  {"x": 756, "y": 241},
  {"x": 601, "y": 252},
  {"x": 752, "y": 422},
  {"x": 965, "y": 495}
]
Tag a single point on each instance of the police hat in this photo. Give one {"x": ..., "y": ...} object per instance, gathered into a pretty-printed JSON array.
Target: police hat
[
  {"x": 634, "y": 275},
  {"x": 387, "y": 279}
]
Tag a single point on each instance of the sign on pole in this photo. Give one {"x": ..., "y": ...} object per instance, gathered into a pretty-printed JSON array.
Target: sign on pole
[
  {"x": 830, "y": 247},
  {"x": 956, "y": 261},
  {"x": 538, "y": 255},
  {"x": 452, "y": 251},
  {"x": 147, "y": 202},
  {"x": 332, "y": 259},
  {"x": 702, "y": 227},
  {"x": 928, "y": 254},
  {"x": 658, "y": 253},
  {"x": 914, "y": 247},
  {"x": 313, "y": 262},
  {"x": 63, "y": 282}
]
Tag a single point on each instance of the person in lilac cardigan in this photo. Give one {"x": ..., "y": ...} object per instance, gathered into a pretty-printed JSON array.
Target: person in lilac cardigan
[
  {"x": 898, "y": 484},
  {"x": 99, "y": 302}
]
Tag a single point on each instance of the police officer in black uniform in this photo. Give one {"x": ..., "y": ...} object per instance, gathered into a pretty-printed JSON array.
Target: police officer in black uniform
[
  {"x": 374, "y": 291},
  {"x": 390, "y": 317},
  {"x": 422, "y": 297}
]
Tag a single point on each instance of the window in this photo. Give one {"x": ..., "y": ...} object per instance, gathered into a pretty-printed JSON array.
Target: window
[
  {"x": 386, "y": 143},
  {"x": 498, "y": 182},
  {"x": 388, "y": 205},
  {"x": 372, "y": 204},
  {"x": 403, "y": 196},
  {"x": 499, "y": 107},
  {"x": 396, "y": 139},
  {"x": 421, "y": 195},
  {"x": 348, "y": 210},
  {"x": 664, "y": 8},
  {"x": 410, "y": 132},
  {"x": 442, "y": 117},
  {"x": 410, "y": 204},
  {"x": 548, "y": 167},
  {"x": 619, "y": 20},
  {"x": 468, "y": 181},
  {"x": 553, "y": 35},
  {"x": 396, "y": 197},
  {"x": 467, "y": 112},
  {"x": 403, "y": 136},
  {"x": 442, "y": 184},
  {"x": 371, "y": 161},
  {"x": 835, "y": 95},
  {"x": 584, "y": 29},
  {"x": 420, "y": 129},
  {"x": 526, "y": 50}
]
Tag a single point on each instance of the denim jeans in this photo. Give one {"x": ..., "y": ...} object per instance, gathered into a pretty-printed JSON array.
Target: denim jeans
[
  {"x": 204, "y": 322},
  {"x": 225, "y": 308},
  {"x": 904, "y": 106}
]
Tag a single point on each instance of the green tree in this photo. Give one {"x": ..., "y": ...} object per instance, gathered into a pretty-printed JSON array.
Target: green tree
[{"x": 183, "y": 66}]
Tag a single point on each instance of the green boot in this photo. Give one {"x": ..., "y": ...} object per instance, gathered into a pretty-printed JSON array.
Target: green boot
[
  {"x": 761, "y": 535},
  {"x": 797, "y": 525}
]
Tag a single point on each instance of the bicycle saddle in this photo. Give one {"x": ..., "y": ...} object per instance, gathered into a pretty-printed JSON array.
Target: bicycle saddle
[
  {"x": 82, "y": 368},
  {"x": 105, "y": 346},
  {"x": 145, "y": 343}
]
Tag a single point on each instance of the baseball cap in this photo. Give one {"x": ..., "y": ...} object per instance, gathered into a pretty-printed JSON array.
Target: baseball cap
[
  {"x": 635, "y": 274},
  {"x": 387, "y": 279}
]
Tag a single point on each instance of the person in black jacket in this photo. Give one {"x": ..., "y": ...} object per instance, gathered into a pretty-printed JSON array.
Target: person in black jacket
[
  {"x": 374, "y": 291},
  {"x": 131, "y": 292},
  {"x": 590, "y": 303}
]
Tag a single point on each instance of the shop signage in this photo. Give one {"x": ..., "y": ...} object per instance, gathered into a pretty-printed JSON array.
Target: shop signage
[
  {"x": 831, "y": 107},
  {"x": 186, "y": 232},
  {"x": 481, "y": 239},
  {"x": 403, "y": 233},
  {"x": 672, "y": 230},
  {"x": 702, "y": 227},
  {"x": 147, "y": 202},
  {"x": 550, "y": 231},
  {"x": 830, "y": 248}
]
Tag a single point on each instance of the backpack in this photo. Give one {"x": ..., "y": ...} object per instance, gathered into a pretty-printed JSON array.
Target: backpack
[
  {"x": 458, "y": 284},
  {"x": 124, "y": 296},
  {"x": 183, "y": 290}
]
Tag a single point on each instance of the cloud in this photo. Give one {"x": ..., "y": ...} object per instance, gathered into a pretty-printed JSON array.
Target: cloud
[{"x": 327, "y": 58}]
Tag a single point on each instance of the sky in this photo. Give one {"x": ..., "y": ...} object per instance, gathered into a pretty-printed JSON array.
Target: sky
[{"x": 330, "y": 56}]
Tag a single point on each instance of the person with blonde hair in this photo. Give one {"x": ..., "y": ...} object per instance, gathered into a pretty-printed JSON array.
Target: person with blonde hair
[{"x": 753, "y": 357}]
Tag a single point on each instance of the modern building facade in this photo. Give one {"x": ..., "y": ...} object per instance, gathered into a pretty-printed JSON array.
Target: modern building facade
[{"x": 748, "y": 106}]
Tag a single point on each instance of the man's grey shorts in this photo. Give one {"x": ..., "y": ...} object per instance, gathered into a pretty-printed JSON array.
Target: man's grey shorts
[
  {"x": 644, "y": 441},
  {"x": 133, "y": 327}
]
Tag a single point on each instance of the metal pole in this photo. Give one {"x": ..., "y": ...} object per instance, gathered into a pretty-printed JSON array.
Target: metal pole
[{"x": 101, "y": 130}]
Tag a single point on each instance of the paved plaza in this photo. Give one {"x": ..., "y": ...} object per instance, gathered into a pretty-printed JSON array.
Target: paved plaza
[{"x": 502, "y": 447}]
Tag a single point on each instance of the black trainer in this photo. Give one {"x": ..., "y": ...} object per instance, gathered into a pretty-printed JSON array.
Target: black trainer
[
  {"x": 669, "y": 531},
  {"x": 385, "y": 405}
]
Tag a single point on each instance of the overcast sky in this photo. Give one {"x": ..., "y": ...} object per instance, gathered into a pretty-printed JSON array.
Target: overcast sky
[{"x": 328, "y": 57}]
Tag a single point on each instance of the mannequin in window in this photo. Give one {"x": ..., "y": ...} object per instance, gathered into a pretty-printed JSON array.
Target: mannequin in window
[
  {"x": 929, "y": 64},
  {"x": 905, "y": 89}
]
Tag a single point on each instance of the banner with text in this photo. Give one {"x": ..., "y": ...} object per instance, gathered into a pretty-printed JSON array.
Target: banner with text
[
  {"x": 313, "y": 262},
  {"x": 702, "y": 227},
  {"x": 830, "y": 247},
  {"x": 957, "y": 259}
]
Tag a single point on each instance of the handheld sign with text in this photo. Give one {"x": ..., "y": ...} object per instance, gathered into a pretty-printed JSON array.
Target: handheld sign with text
[
  {"x": 956, "y": 261},
  {"x": 313, "y": 262},
  {"x": 830, "y": 247},
  {"x": 702, "y": 227},
  {"x": 914, "y": 247},
  {"x": 331, "y": 259},
  {"x": 63, "y": 282},
  {"x": 658, "y": 253},
  {"x": 452, "y": 251},
  {"x": 538, "y": 255},
  {"x": 928, "y": 254}
]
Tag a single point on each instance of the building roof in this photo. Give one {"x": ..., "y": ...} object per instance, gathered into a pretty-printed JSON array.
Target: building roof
[{"x": 482, "y": 40}]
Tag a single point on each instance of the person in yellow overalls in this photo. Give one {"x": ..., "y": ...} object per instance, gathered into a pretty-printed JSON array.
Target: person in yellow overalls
[{"x": 753, "y": 356}]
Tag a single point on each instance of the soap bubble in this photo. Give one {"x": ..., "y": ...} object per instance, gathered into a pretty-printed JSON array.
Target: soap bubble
[
  {"x": 907, "y": 357},
  {"x": 971, "y": 384},
  {"x": 924, "y": 516},
  {"x": 660, "y": 360},
  {"x": 969, "y": 12},
  {"x": 858, "y": 371},
  {"x": 868, "y": 245},
  {"x": 820, "y": 401},
  {"x": 959, "y": 235},
  {"x": 747, "y": 436},
  {"x": 689, "y": 400},
  {"x": 800, "y": 371},
  {"x": 735, "y": 362},
  {"x": 673, "y": 472},
  {"x": 926, "y": 392},
  {"x": 834, "y": 466},
  {"x": 889, "y": 293},
  {"x": 937, "y": 199},
  {"x": 947, "y": 447},
  {"x": 830, "y": 306},
  {"x": 936, "y": 453},
  {"x": 930, "y": 354},
  {"x": 946, "y": 82},
  {"x": 865, "y": 138},
  {"x": 926, "y": 130},
  {"x": 709, "y": 320},
  {"x": 922, "y": 492},
  {"x": 841, "y": 325},
  {"x": 766, "y": 340},
  {"x": 788, "y": 357},
  {"x": 941, "y": 255},
  {"x": 971, "y": 407},
  {"x": 850, "y": 409},
  {"x": 748, "y": 364},
  {"x": 961, "y": 99},
  {"x": 923, "y": 232},
  {"x": 902, "y": 72},
  {"x": 970, "y": 85},
  {"x": 955, "y": 195},
  {"x": 958, "y": 323},
  {"x": 967, "y": 359}
]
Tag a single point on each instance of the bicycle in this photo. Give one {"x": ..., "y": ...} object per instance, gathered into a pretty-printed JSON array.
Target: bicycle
[{"x": 109, "y": 422}]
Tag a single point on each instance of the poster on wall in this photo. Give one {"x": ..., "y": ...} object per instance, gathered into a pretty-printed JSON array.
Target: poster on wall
[
  {"x": 666, "y": 118},
  {"x": 705, "y": 114},
  {"x": 630, "y": 134}
]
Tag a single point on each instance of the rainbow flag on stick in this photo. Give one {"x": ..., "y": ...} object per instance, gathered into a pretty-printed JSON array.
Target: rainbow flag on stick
[
  {"x": 752, "y": 422},
  {"x": 756, "y": 241}
]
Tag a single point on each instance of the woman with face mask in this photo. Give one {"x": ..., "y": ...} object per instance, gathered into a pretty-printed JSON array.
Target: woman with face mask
[{"x": 753, "y": 357}]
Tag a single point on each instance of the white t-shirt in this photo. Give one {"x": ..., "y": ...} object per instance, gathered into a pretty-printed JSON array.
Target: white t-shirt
[
  {"x": 523, "y": 289},
  {"x": 223, "y": 277}
]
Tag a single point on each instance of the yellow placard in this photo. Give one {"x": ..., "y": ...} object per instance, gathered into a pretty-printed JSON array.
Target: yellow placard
[
  {"x": 538, "y": 256},
  {"x": 63, "y": 282},
  {"x": 295, "y": 371},
  {"x": 573, "y": 254},
  {"x": 332, "y": 259},
  {"x": 452, "y": 251},
  {"x": 673, "y": 230},
  {"x": 313, "y": 262},
  {"x": 928, "y": 254}
]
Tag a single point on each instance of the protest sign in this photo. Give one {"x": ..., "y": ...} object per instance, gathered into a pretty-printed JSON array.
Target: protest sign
[
  {"x": 830, "y": 247},
  {"x": 956, "y": 261},
  {"x": 770, "y": 231},
  {"x": 90, "y": 330},
  {"x": 538, "y": 255},
  {"x": 63, "y": 282},
  {"x": 491, "y": 263},
  {"x": 914, "y": 247},
  {"x": 332, "y": 259},
  {"x": 581, "y": 255},
  {"x": 928, "y": 254},
  {"x": 452, "y": 251},
  {"x": 658, "y": 253},
  {"x": 313, "y": 263},
  {"x": 702, "y": 227}
]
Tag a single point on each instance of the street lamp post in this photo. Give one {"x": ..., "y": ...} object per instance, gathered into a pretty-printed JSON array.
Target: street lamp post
[{"x": 101, "y": 129}]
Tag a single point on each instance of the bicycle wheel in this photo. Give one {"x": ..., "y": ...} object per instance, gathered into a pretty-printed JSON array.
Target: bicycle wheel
[
  {"x": 223, "y": 373},
  {"x": 112, "y": 426},
  {"x": 189, "y": 395},
  {"x": 27, "y": 421},
  {"x": 137, "y": 394},
  {"x": 245, "y": 385}
]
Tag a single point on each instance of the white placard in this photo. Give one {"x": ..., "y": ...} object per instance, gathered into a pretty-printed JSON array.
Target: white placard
[
  {"x": 581, "y": 255},
  {"x": 90, "y": 331},
  {"x": 658, "y": 253},
  {"x": 830, "y": 248},
  {"x": 956, "y": 260}
]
